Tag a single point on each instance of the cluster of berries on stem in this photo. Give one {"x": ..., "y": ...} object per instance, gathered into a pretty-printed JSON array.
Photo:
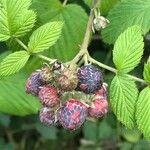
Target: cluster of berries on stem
[{"x": 51, "y": 82}]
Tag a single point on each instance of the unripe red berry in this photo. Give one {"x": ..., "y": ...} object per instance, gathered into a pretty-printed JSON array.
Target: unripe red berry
[
  {"x": 102, "y": 92},
  {"x": 98, "y": 108},
  {"x": 33, "y": 83},
  {"x": 49, "y": 96},
  {"x": 47, "y": 116},
  {"x": 72, "y": 114}
]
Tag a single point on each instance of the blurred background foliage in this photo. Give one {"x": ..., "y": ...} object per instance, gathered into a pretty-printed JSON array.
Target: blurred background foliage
[{"x": 26, "y": 132}]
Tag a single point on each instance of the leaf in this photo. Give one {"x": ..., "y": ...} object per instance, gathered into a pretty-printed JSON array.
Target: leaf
[
  {"x": 73, "y": 31},
  {"x": 128, "y": 49},
  {"x": 123, "y": 97},
  {"x": 146, "y": 72},
  {"x": 13, "y": 15},
  {"x": 13, "y": 63},
  {"x": 125, "y": 14},
  {"x": 107, "y": 5},
  {"x": 143, "y": 112},
  {"x": 23, "y": 23},
  {"x": 45, "y": 36},
  {"x": 13, "y": 99}
]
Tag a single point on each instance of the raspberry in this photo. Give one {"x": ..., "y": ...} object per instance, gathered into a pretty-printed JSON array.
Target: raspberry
[
  {"x": 101, "y": 93},
  {"x": 67, "y": 80},
  {"x": 90, "y": 79},
  {"x": 72, "y": 114},
  {"x": 33, "y": 83},
  {"x": 46, "y": 74},
  {"x": 98, "y": 108},
  {"x": 47, "y": 117},
  {"x": 49, "y": 96}
]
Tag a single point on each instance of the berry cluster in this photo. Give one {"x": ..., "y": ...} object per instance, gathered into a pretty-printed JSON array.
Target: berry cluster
[{"x": 50, "y": 84}]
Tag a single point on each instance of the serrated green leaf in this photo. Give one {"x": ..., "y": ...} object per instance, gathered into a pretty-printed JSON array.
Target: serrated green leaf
[
  {"x": 23, "y": 23},
  {"x": 13, "y": 63},
  {"x": 123, "y": 97},
  {"x": 125, "y": 14},
  {"x": 143, "y": 112},
  {"x": 107, "y": 5},
  {"x": 73, "y": 31},
  {"x": 45, "y": 36},
  {"x": 12, "y": 16},
  {"x": 146, "y": 72},
  {"x": 128, "y": 49},
  {"x": 13, "y": 99}
]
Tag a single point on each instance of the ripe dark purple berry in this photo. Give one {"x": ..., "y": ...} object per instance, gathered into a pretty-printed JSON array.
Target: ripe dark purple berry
[
  {"x": 72, "y": 114},
  {"x": 47, "y": 116},
  {"x": 49, "y": 96},
  {"x": 33, "y": 83},
  {"x": 98, "y": 108},
  {"x": 90, "y": 79}
]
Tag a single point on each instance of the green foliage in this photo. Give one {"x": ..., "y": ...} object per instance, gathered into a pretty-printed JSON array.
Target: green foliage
[
  {"x": 107, "y": 5},
  {"x": 125, "y": 14},
  {"x": 13, "y": 63},
  {"x": 13, "y": 99},
  {"x": 128, "y": 49},
  {"x": 45, "y": 36},
  {"x": 146, "y": 72},
  {"x": 15, "y": 18},
  {"x": 73, "y": 30},
  {"x": 123, "y": 97},
  {"x": 72, "y": 33},
  {"x": 143, "y": 112},
  {"x": 132, "y": 136}
]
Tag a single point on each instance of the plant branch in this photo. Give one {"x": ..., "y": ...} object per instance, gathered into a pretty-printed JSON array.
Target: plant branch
[
  {"x": 45, "y": 58},
  {"x": 85, "y": 43},
  {"x": 115, "y": 71}
]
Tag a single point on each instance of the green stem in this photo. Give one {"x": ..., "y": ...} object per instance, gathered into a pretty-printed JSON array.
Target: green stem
[
  {"x": 21, "y": 44},
  {"x": 115, "y": 71},
  {"x": 45, "y": 58}
]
